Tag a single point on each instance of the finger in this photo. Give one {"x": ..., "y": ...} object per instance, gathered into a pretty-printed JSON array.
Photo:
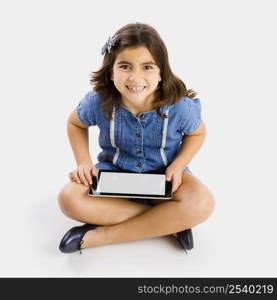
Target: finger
[
  {"x": 168, "y": 176},
  {"x": 70, "y": 176},
  {"x": 176, "y": 185},
  {"x": 94, "y": 171},
  {"x": 82, "y": 177},
  {"x": 75, "y": 177},
  {"x": 88, "y": 177},
  {"x": 173, "y": 187}
]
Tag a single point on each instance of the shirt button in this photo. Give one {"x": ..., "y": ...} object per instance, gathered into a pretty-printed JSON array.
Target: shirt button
[
  {"x": 138, "y": 134},
  {"x": 142, "y": 117},
  {"x": 139, "y": 151},
  {"x": 139, "y": 164}
]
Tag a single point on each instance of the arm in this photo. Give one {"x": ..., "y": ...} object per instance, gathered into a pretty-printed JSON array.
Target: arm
[
  {"x": 190, "y": 146},
  {"x": 78, "y": 137}
]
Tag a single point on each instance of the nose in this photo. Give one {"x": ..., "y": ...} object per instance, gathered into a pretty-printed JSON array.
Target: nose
[{"x": 134, "y": 76}]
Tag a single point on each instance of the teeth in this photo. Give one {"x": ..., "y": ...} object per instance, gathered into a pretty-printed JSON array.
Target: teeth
[{"x": 136, "y": 88}]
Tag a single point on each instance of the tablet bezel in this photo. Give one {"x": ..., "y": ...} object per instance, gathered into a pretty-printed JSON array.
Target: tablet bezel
[{"x": 93, "y": 187}]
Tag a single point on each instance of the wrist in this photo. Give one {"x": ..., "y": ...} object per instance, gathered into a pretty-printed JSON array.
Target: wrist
[
  {"x": 179, "y": 164},
  {"x": 84, "y": 160}
]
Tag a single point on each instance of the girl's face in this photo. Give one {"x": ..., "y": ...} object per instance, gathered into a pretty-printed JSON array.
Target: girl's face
[{"x": 136, "y": 76}]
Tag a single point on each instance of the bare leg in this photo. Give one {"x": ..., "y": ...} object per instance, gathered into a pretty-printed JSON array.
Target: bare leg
[
  {"x": 76, "y": 204},
  {"x": 192, "y": 203}
]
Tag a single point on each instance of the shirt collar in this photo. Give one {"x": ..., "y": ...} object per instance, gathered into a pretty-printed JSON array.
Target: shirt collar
[{"x": 151, "y": 113}]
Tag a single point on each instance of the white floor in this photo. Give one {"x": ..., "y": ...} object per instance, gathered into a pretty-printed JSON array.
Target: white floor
[{"x": 236, "y": 241}]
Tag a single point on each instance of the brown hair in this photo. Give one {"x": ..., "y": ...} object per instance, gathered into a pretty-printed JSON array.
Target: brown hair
[{"x": 170, "y": 89}]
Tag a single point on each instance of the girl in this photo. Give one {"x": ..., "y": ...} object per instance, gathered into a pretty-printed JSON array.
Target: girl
[{"x": 148, "y": 120}]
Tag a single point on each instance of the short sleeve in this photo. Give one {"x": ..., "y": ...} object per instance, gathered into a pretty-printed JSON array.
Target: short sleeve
[
  {"x": 191, "y": 115},
  {"x": 86, "y": 109}
]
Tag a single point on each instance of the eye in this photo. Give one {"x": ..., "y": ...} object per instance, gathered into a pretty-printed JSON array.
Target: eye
[{"x": 123, "y": 67}]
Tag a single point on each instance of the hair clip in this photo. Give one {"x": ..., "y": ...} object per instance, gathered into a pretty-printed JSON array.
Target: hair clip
[{"x": 108, "y": 45}]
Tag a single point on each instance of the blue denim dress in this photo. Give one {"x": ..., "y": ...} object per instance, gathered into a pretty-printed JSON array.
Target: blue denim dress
[{"x": 143, "y": 142}]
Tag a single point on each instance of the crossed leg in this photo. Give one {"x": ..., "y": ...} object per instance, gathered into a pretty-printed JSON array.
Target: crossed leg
[{"x": 125, "y": 220}]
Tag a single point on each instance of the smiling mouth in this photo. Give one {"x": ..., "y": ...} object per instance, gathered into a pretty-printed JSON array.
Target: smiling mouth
[{"x": 135, "y": 89}]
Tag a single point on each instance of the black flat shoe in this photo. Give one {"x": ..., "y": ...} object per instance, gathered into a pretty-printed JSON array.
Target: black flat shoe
[
  {"x": 185, "y": 239},
  {"x": 72, "y": 240}
]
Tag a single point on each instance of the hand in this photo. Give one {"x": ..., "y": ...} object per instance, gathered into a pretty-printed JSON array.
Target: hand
[
  {"x": 174, "y": 173},
  {"x": 83, "y": 173}
]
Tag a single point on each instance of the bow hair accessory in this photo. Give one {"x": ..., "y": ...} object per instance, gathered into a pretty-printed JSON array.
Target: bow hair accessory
[{"x": 108, "y": 45}]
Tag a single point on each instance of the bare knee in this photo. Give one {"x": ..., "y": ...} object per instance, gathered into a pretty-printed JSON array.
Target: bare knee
[
  {"x": 68, "y": 198},
  {"x": 204, "y": 207},
  {"x": 196, "y": 208}
]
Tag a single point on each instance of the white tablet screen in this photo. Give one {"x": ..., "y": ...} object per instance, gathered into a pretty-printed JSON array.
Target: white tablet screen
[{"x": 129, "y": 183}]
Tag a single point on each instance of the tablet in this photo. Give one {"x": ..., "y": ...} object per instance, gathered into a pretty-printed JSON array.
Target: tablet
[{"x": 150, "y": 185}]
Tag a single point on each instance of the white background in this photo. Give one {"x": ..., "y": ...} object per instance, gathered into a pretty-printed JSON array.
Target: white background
[{"x": 224, "y": 50}]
